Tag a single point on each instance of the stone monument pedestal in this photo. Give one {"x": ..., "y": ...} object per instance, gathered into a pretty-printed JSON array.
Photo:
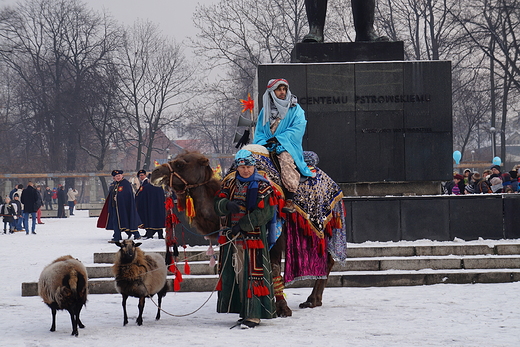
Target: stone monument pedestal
[
  {"x": 381, "y": 121},
  {"x": 347, "y": 52}
]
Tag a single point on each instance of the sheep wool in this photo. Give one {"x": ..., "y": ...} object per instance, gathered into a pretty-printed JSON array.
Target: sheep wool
[
  {"x": 63, "y": 285},
  {"x": 139, "y": 275}
]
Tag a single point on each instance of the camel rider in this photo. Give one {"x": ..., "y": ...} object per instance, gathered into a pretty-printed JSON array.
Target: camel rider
[{"x": 280, "y": 128}]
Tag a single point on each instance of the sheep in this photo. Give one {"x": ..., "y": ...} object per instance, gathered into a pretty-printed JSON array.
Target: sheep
[
  {"x": 63, "y": 285},
  {"x": 139, "y": 275}
]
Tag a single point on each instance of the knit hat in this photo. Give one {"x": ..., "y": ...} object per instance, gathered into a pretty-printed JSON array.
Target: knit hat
[
  {"x": 458, "y": 176},
  {"x": 244, "y": 157},
  {"x": 281, "y": 105},
  {"x": 495, "y": 167},
  {"x": 476, "y": 176},
  {"x": 117, "y": 172},
  {"x": 141, "y": 172},
  {"x": 455, "y": 190}
]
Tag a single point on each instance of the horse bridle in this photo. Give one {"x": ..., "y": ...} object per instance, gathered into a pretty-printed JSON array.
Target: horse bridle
[{"x": 186, "y": 185}]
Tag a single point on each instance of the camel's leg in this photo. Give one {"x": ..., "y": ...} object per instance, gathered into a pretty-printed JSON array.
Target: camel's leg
[
  {"x": 315, "y": 299},
  {"x": 282, "y": 310}
]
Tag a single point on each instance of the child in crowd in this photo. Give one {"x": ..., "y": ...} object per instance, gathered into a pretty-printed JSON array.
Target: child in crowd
[{"x": 7, "y": 211}]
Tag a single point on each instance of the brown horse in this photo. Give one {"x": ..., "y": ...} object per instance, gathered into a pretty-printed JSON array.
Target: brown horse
[{"x": 190, "y": 173}]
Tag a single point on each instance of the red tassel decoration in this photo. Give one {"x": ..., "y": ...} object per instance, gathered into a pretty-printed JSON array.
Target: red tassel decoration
[
  {"x": 190, "y": 209},
  {"x": 249, "y": 294},
  {"x": 222, "y": 239},
  {"x": 176, "y": 285},
  {"x": 172, "y": 268},
  {"x": 187, "y": 269},
  {"x": 219, "y": 285},
  {"x": 261, "y": 204},
  {"x": 168, "y": 204}
]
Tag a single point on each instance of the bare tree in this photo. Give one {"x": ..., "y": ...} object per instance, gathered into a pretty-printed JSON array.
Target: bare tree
[
  {"x": 54, "y": 47},
  {"x": 155, "y": 79}
]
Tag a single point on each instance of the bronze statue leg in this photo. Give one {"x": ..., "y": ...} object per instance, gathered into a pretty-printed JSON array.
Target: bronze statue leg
[
  {"x": 363, "y": 13},
  {"x": 315, "y": 299},
  {"x": 316, "y": 12}
]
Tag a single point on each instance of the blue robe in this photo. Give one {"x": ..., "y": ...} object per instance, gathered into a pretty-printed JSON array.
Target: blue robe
[
  {"x": 289, "y": 133},
  {"x": 121, "y": 212},
  {"x": 149, "y": 200}
]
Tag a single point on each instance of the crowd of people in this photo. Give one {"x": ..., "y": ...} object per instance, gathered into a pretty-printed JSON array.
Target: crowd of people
[
  {"x": 141, "y": 205},
  {"x": 492, "y": 180}
]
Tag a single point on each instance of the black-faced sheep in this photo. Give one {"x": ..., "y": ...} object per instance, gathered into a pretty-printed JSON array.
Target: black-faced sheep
[
  {"x": 139, "y": 275},
  {"x": 63, "y": 286}
]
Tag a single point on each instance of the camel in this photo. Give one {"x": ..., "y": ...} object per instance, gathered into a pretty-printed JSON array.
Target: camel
[{"x": 190, "y": 174}]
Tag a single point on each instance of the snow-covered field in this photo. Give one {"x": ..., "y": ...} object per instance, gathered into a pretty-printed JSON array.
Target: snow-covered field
[{"x": 437, "y": 315}]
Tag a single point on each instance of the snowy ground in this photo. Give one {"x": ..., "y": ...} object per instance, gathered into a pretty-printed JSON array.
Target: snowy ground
[{"x": 437, "y": 315}]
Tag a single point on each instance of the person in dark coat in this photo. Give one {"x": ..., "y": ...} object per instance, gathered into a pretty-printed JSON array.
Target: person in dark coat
[
  {"x": 31, "y": 201},
  {"x": 7, "y": 211},
  {"x": 62, "y": 201},
  {"x": 17, "y": 205},
  {"x": 149, "y": 200},
  {"x": 47, "y": 198},
  {"x": 119, "y": 212}
]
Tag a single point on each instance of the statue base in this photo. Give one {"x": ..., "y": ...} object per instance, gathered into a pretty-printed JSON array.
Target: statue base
[{"x": 347, "y": 52}]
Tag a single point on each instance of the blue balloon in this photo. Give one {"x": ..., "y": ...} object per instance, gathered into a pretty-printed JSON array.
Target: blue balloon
[
  {"x": 456, "y": 156},
  {"x": 497, "y": 161}
]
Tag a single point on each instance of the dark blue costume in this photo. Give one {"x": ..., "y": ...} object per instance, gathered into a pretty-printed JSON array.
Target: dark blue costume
[
  {"x": 149, "y": 200},
  {"x": 122, "y": 213}
]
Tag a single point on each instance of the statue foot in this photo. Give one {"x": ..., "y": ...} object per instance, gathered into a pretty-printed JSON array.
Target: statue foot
[
  {"x": 315, "y": 34},
  {"x": 312, "y": 38},
  {"x": 371, "y": 36}
]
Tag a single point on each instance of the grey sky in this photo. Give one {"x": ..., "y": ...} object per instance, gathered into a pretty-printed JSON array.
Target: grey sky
[{"x": 173, "y": 16}]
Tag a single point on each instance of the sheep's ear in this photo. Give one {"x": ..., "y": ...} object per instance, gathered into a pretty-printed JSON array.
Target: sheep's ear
[
  {"x": 138, "y": 244},
  {"x": 117, "y": 243}
]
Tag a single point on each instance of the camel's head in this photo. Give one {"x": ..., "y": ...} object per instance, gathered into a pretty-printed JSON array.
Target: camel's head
[{"x": 188, "y": 168}]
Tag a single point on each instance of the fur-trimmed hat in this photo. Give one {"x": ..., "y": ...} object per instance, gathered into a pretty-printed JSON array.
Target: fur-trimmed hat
[{"x": 117, "y": 172}]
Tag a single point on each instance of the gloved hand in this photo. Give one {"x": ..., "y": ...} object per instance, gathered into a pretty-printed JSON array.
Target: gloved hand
[
  {"x": 235, "y": 230},
  {"x": 232, "y": 207},
  {"x": 272, "y": 140}
]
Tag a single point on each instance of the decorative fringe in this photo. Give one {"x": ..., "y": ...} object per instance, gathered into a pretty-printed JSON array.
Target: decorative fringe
[
  {"x": 322, "y": 247},
  {"x": 219, "y": 285},
  {"x": 253, "y": 244},
  {"x": 260, "y": 290},
  {"x": 212, "y": 261},
  {"x": 169, "y": 204},
  {"x": 190, "y": 208},
  {"x": 210, "y": 250},
  {"x": 249, "y": 294},
  {"x": 261, "y": 204}
]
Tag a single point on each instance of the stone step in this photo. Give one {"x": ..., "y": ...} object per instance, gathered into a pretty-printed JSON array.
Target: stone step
[
  {"x": 196, "y": 268},
  {"x": 363, "y": 264},
  {"x": 372, "y": 251},
  {"x": 338, "y": 279},
  {"x": 366, "y": 266},
  {"x": 54, "y": 213}
]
